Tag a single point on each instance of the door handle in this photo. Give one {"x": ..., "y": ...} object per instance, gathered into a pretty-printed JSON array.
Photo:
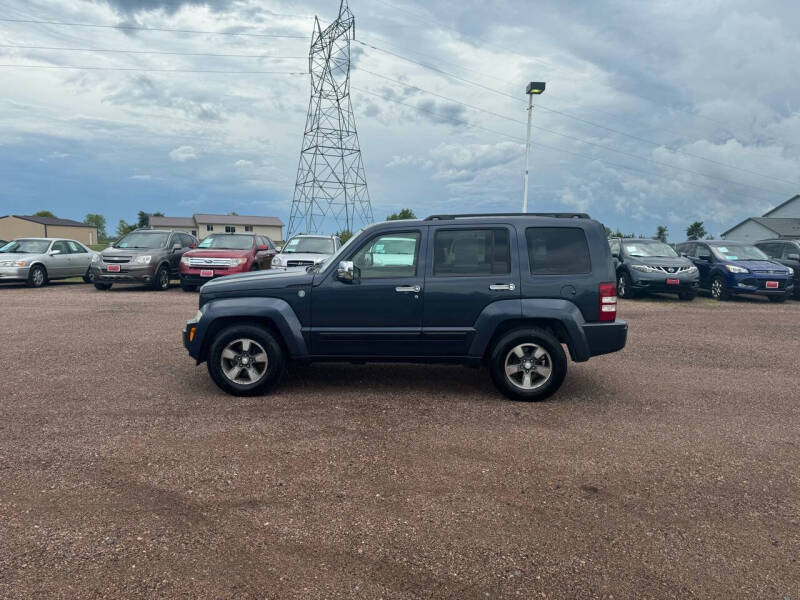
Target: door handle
[
  {"x": 409, "y": 289},
  {"x": 496, "y": 287}
]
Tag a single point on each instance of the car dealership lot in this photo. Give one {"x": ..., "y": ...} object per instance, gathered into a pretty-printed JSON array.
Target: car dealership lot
[{"x": 666, "y": 470}]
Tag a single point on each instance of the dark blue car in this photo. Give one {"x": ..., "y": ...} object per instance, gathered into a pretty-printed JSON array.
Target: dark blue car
[{"x": 729, "y": 268}]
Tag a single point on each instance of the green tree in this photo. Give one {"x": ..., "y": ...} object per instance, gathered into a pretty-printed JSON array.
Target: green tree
[
  {"x": 144, "y": 218},
  {"x": 609, "y": 233},
  {"x": 661, "y": 233},
  {"x": 44, "y": 213},
  {"x": 233, "y": 213},
  {"x": 344, "y": 235},
  {"x": 98, "y": 221},
  {"x": 405, "y": 213},
  {"x": 124, "y": 228},
  {"x": 696, "y": 231}
]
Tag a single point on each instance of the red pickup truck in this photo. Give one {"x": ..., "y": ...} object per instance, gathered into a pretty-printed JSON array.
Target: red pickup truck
[{"x": 223, "y": 254}]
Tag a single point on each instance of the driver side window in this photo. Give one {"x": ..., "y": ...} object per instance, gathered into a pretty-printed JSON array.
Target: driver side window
[
  {"x": 389, "y": 256},
  {"x": 703, "y": 252}
]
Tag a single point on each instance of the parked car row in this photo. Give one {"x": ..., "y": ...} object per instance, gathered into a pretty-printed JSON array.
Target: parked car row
[
  {"x": 723, "y": 268},
  {"x": 155, "y": 258}
]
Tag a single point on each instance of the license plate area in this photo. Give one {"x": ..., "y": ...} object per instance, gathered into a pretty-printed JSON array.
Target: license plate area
[
  {"x": 113, "y": 268},
  {"x": 673, "y": 281},
  {"x": 207, "y": 273},
  {"x": 773, "y": 285}
]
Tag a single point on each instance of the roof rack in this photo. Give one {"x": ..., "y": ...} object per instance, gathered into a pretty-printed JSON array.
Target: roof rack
[{"x": 553, "y": 215}]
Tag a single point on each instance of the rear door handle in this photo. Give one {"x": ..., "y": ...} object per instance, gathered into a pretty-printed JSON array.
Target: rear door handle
[
  {"x": 408, "y": 289},
  {"x": 496, "y": 287}
]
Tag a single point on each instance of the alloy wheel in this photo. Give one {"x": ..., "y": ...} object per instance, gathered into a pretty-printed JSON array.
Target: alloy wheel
[
  {"x": 716, "y": 289},
  {"x": 38, "y": 277},
  {"x": 528, "y": 366},
  {"x": 621, "y": 289},
  {"x": 244, "y": 361},
  {"x": 163, "y": 279}
]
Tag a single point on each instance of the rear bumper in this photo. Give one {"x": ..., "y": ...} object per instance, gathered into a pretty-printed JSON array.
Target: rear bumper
[{"x": 605, "y": 338}]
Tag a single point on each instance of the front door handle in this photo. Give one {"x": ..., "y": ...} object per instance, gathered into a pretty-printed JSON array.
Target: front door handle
[
  {"x": 408, "y": 289},
  {"x": 502, "y": 286}
]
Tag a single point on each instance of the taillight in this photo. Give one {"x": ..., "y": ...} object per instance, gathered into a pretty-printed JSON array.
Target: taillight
[{"x": 608, "y": 301}]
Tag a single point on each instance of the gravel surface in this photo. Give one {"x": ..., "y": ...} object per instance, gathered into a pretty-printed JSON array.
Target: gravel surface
[{"x": 669, "y": 470}]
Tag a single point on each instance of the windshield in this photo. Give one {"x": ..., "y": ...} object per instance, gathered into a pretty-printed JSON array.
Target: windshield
[
  {"x": 227, "y": 241},
  {"x": 646, "y": 249},
  {"x": 335, "y": 257},
  {"x": 309, "y": 245},
  {"x": 738, "y": 253},
  {"x": 26, "y": 246},
  {"x": 141, "y": 239}
]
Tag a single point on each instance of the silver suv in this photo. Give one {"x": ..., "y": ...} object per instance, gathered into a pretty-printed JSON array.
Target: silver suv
[{"x": 303, "y": 251}]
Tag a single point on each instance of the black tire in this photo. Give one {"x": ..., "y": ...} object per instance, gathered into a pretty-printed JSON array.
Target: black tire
[
  {"x": 254, "y": 267},
  {"x": 188, "y": 287},
  {"x": 89, "y": 276},
  {"x": 267, "y": 379},
  {"x": 513, "y": 385},
  {"x": 37, "y": 277},
  {"x": 103, "y": 287},
  {"x": 778, "y": 299},
  {"x": 719, "y": 289},
  {"x": 687, "y": 296},
  {"x": 625, "y": 285},
  {"x": 160, "y": 281}
]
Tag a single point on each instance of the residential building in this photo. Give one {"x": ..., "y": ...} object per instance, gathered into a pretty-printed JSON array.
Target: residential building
[
  {"x": 783, "y": 221},
  {"x": 19, "y": 226},
  {"x": 200, "y": 225}
]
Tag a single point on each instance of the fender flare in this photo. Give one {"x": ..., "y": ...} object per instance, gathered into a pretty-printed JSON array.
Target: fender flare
[
  {"x": 276, "y": 311},
  {"x": 552, "y": 309}
]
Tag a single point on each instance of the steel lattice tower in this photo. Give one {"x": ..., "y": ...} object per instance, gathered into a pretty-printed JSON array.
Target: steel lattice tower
[{"x": 331, "y": 181}]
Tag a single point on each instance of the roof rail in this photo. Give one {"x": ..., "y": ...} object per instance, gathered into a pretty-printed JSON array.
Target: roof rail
[{"x": 553, "y": 215}]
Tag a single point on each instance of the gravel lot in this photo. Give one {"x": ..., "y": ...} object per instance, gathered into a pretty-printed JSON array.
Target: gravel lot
[{"x": 669, "y": 470}]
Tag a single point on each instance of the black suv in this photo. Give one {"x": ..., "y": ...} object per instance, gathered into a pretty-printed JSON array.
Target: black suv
[
  {"x": 786, "y": 252},
  {"x": 502, "y": 290}
]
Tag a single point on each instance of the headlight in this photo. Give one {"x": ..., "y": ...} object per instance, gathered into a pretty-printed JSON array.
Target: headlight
[
  {"x": 735, "y": 269},
  {"x": 691, "y": 270},
  {"x": 198, "y": 315},
  {"x": 644, "y": 268},
  {"x": 791, "y": 271},
  {"x": 239, "y": 261},
  {"x": 142, "y": 260},
  {"x": 95, "y": 258},
  {"x": 276, "y": 262},
  {"x": 185, "y": 260}
]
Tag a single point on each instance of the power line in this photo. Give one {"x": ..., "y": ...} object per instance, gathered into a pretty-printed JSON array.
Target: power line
[
  {"x": 567, "y": 115},
  {"x": 571, "y": 137},
  {"x": 461, "y": 122},
  {"x": 138, "y": 28},
  {"x": 146, "y": 70},
  {"x": 104, "y": 50}
]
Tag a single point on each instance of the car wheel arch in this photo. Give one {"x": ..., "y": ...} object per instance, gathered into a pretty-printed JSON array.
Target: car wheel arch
[
  {"x": 221, "y": 323},
  {"x": 552, "y": 326}
]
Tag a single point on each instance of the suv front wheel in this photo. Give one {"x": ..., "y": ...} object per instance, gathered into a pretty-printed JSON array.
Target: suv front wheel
[
  {"x": 528, "y": 364},
  {"x": 245, "y": 360}
]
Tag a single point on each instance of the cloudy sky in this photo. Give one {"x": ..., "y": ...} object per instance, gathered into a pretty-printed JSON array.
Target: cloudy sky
[{"x": 659, "y": 112}]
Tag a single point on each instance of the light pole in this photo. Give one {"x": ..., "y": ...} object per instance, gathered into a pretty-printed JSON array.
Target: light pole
[{"x": 535, "y": 88}]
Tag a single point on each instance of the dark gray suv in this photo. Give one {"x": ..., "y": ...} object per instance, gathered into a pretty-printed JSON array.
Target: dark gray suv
[
  {"x": 645, "y": 265},
  {"x": 507, "y": 291},
  {"x": 147, "y": 256}
]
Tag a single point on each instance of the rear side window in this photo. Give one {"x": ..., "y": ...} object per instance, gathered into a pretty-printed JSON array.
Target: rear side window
[
  {"x": 471, "y": 252},
  {"x": 558, "y": 251}
]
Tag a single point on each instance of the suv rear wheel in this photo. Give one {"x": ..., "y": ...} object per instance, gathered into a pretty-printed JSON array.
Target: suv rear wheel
[
  {"x": 528, "y": 364},
  {"x": 246, "y": 360}
]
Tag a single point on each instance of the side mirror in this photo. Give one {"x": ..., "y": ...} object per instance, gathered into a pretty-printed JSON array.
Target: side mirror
[
  {"x": 278, "y": 248},
  {"x": 54, "y": 252},
  {"x": 348, "y": 272},
  {"x": 262, "y": 247},
  {"x": 793, "y": 257},
  {"x": 176, "y": 246}
]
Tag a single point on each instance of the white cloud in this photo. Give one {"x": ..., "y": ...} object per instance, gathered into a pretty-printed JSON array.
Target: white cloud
[
  {"x": 243, "y": 163},
  {"x": 183, "y": 153}
]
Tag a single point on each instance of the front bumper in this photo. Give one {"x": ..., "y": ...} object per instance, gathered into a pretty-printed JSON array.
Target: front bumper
[
  {"x": 657, "y": 282},
  {"x": 129, "y": 273},
  {"x": 748, "y": 283},
  {"x": 14, "y": 273},
  {"x": 191, "y": 276},
  {"x": 605, "y": 338}
]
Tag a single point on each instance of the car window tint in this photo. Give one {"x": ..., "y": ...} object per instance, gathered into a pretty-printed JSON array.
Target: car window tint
[
  {"x": 75, "y": 247},
  {"x": 471, "y": 252},
  {"x": 771, "y": 249},
  {"x": 61, "y": 246},
  {"x": 702, "y": 251},
  {"x": 390, "y": 255},
  {"x": 615, "y": 247},
  {"x": 790, "y": 249},
  {"x": 558, "y": 251}
]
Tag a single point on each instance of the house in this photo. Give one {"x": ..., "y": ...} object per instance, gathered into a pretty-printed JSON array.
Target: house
[
  {"x": 18, "y": 226},
  {"x": 200, "y": 225},
  {"x": 783, "y": 221}
]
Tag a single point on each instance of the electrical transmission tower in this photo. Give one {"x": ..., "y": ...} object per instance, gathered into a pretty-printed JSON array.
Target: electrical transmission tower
[{"x": 331, "y": 182}]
